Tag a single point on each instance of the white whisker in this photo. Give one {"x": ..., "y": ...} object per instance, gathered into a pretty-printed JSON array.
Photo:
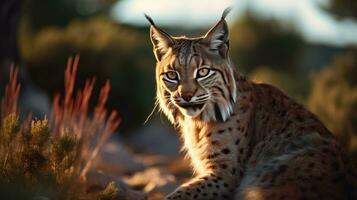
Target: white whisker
[{"x": 153, "y": 110}]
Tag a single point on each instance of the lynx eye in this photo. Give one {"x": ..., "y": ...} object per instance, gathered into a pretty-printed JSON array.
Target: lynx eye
[
  {"x": 203, "y": 72},
  {"x": 171, "y": 76}
]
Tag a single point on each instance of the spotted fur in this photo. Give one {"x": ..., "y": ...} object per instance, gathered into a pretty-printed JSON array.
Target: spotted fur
[{"x": 245, "y": 140}]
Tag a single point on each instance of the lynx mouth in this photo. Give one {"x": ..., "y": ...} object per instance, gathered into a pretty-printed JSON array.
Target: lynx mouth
[
  {"x": 192, "y": 106},
  {"x": 191, "y": 109}
]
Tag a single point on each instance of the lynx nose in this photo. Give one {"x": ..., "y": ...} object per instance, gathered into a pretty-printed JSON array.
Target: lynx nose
[{"x": 187, "y": 96}]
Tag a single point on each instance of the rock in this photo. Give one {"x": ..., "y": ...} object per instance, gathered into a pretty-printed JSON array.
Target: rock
[
  {"x": 153, "y": 179},
  {"x": 95, "y": 181},
  {"x": 155, "y": 138},
  {"x": 33, "y": 100},
  {"x": 40, "y": 198},
  {"x": 115, "y": 159}
]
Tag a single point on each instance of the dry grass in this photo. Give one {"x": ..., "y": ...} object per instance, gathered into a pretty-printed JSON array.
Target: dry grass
[
  {"x": 48, "y": 157},
  {"x": 72, "y": 113},
  {"x": 12, "y": 92}
]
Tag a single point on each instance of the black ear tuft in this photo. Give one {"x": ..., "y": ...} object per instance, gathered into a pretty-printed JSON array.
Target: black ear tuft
[
  {"x": 216, "y": 39},
  {"x": 226, "y": 12},
  {"x": 149, "y": 19},
  {"x": 160, "y": 39}
]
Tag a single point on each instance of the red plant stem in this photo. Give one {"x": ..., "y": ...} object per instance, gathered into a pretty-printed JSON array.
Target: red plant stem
[
  {"x": 72, "y": 113},
  {"x": 9, "y": 104}
]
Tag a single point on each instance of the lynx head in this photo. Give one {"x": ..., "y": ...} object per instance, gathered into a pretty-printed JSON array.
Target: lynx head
[{"x": 194, "y": 76}]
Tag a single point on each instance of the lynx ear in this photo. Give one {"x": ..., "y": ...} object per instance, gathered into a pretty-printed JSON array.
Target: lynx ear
[
  {"x": 216, "y": 39},
  {"x": 161, "y": 41}
]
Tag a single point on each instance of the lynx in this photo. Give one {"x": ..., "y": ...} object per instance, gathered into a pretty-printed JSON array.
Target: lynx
[{"x": 245, "y": 140}]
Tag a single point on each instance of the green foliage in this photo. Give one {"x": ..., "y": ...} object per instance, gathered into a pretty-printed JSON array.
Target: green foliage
[
  {"x": 10, "y": 128},
  {"x": 109, "y": 193},
  {"x": 334, "y": 99},
  {"x": 43, "y": 159},
  {"x": 343, "y": 8},
  {"x": 55, "y": 12},
  {"x": 276, "y": 44},
  {"x": 9, "y": 135},
  {"x": 282, "y": 80},
  {"x": 63, "y": 154},
  {"x": 39, "y": 132},
  {"x": 25, "y": 161},
  {"x": 33, "y": 160}
]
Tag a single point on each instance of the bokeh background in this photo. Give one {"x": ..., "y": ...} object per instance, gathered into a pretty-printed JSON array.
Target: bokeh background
[{"x": 306, "y": 47}]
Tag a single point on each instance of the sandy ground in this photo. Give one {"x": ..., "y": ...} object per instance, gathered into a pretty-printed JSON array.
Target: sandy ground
[{"x": 148, "y": 162}]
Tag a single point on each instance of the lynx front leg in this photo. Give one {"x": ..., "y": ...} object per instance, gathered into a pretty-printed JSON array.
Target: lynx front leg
[
  {"x": 217, "y": 158},
  {"x": 204, "y": 188}
]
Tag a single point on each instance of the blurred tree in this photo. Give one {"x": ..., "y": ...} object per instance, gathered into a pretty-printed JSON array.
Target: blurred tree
[
  {"x": 50, "y": 31},
  {"x": 108, "y": 51},
  {"x": 281, "y": 79},
  {"x": 270, "y": 51},
  {"x": 334, "y": 99},
  {"x": 60, "y": 12},
  {"x": 275, "y": 44},
  {"x": 343, "y": 8},
  {"x": 9, "y": 16}
]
